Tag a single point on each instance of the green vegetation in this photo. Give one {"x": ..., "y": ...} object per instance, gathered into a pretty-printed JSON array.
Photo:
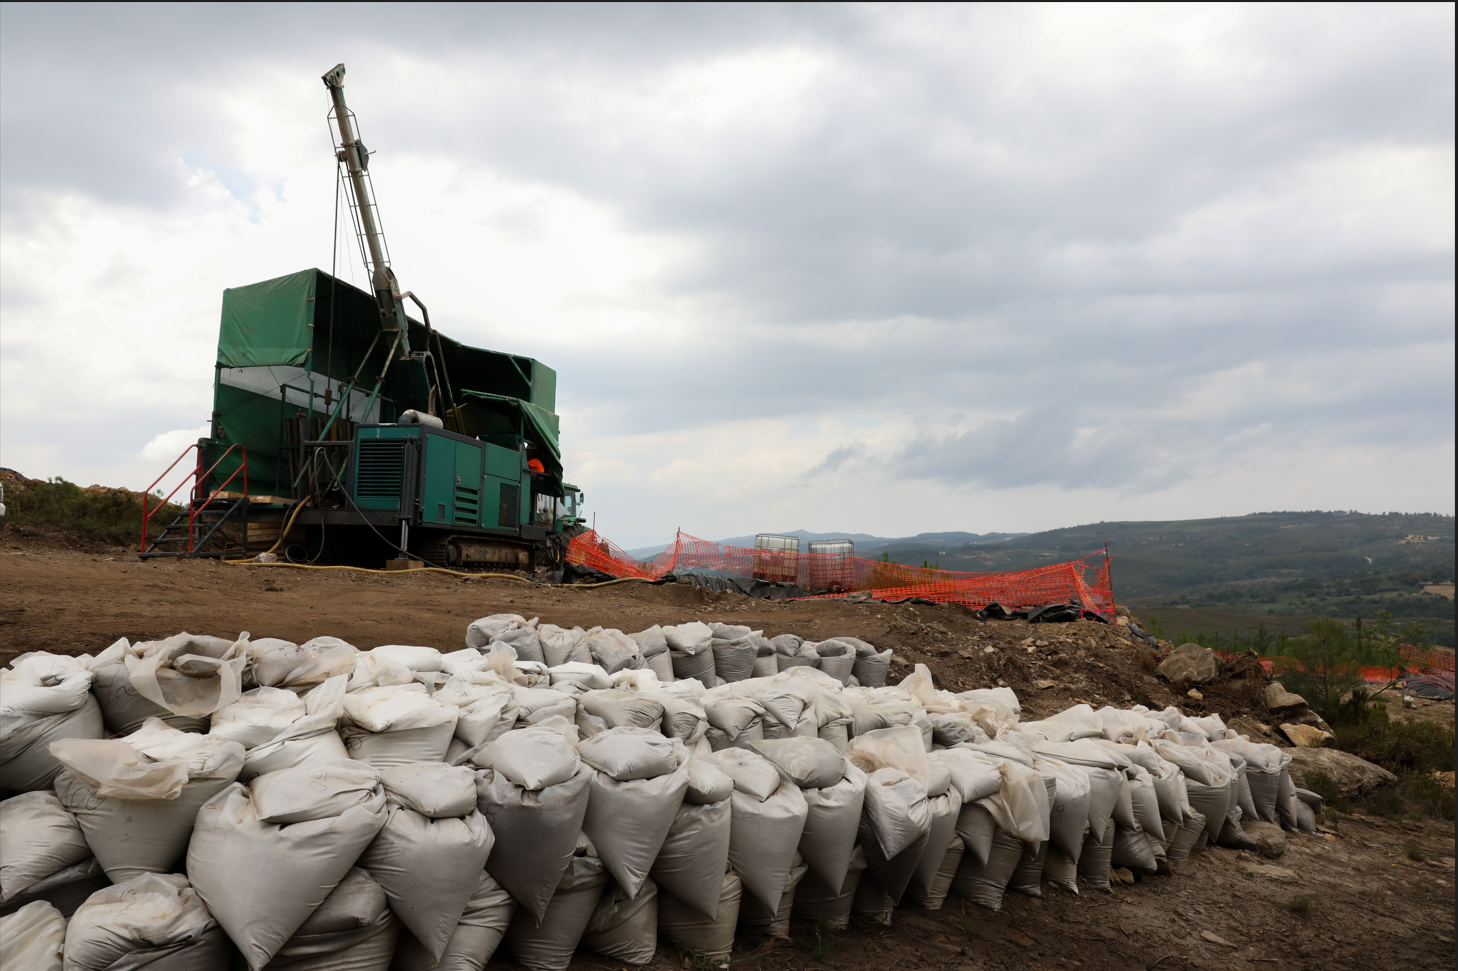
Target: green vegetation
[
  {"x": 1301, "y": 904},
  {"x": 65, "y": 505},
  {"x": 1413, "y": 852},
  {"x": 819, "y": 940},
  {"x": 1412, "y": 750},
  {"x": 1326, "y": 787}
]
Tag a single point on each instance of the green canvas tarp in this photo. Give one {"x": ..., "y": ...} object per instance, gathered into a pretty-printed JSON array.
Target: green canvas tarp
[{"x": 269, "y": 322}]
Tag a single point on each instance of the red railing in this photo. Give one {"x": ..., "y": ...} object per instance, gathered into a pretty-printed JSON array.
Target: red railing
[{"x": 197, "y": 476}]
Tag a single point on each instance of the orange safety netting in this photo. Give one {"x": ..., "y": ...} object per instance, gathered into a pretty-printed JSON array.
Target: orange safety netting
[{"x": 1084, "y": 582}]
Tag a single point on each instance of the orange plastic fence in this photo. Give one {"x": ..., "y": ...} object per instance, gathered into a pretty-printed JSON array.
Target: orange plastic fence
[{"x": 1084, "y": 581}]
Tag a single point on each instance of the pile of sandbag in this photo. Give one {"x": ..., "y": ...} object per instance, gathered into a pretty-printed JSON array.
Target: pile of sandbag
[{"x": 222, "y": 802}]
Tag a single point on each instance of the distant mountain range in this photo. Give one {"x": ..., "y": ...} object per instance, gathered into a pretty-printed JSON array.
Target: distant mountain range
[{"x": 865, "y": 542}]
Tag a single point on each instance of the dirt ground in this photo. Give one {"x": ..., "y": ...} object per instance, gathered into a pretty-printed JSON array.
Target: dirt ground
[{"x": 1370, "y": 894}]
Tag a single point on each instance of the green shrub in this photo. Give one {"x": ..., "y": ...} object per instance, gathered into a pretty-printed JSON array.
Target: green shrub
[
  {"x": 1400, "y": 746},
  {"x": 1416, "y": 795},
  {"x": 1301, "y": 904},
  {"x": 65, "y": 505}
]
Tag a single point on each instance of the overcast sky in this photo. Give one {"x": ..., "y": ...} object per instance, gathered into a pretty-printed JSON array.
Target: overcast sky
[{"x": 876, "y": 269}]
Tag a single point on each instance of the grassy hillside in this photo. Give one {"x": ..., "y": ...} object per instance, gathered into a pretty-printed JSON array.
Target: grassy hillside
[{"x": 1234, "y": 572}]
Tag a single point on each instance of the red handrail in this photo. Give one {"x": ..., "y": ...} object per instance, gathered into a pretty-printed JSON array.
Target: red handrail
[
  {"x": 197, "y": 475},
  {"x": 196, "y": 509}
]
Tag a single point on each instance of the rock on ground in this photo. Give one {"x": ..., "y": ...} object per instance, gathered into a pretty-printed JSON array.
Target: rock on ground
[
  {"x": 1190, "y": 664},
  {"x": 1278, "y": 697},
  {"x": 1354, "y": 776},
  {"x": 1267, "y": 839},
  {"x": 1305, "y": 736}
]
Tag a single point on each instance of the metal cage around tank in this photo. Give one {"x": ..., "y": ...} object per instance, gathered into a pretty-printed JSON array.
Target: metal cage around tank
[
  {"x": 831, "y": 567},
  {"x": 777, "y": 558}
]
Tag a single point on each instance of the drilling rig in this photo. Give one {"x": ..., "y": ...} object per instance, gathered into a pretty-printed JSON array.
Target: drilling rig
[{"x": 346, "y": 430}]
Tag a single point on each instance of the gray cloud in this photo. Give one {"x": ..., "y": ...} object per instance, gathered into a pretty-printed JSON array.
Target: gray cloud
[{"x": 1149, "y": 242}]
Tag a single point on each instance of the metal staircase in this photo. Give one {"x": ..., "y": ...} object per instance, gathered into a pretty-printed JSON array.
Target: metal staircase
[{"x": 201, "y": 528}]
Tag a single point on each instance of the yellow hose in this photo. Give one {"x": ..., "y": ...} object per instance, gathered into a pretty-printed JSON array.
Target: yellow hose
[{"x": 298, "y": 508}]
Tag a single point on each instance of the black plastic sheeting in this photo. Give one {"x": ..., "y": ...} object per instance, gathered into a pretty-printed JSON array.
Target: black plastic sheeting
[
  {"x": 763, "y": 589},
  {"x": 1429, "y": 688},
  {"x": 1050, "y": 614}
]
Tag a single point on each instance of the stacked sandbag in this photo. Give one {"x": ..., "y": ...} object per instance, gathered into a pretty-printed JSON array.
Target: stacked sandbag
[
  {"x": 837, "y": 658},
  {"x": 307, "y": 733},
  {"x": 1264, "y": 764},
  {"x": 352, "y": 930},
  {"x": 624, "y": 927},
  {"x": 689, "y": 869},
  {"x": 481, "y": 632},
  {"x": 32, "y": 938},
  {"x": 135, "y": 798},
  {"x": 477, "y": 935},
  {"x": 995, "y": 828},
  {"x": 41, "y": 838},
  {"x": 550, "y": 645},
  {"x": 614, "y": 651},
  {"x": 182, "y": 680},
  {"x": 266, "y": 855},
  {"x": 639, "y": 776},
  {"x": 576, "y": 677},
  {"x": 549, "y": 943},
  {"x": 1104, "y": 768},
  {"x": 391, "y": 725},
  {"x": 818, "y": 901},
  {"x": 274, "y": 663},
  {"x": 834, "y": 790},
  {"x": 789, "y": 654},
  {"x": 735, "y": 647},
  {"x": 733, "y": 721},
  {"x": 155, "y": 918},
  {"x": 653, "y": 645},
  {"x": 487, "y": 704},
  {"x": 66, "y": 889},
  {"x": 774, "y": 922},
  {"x": 944, "y": 799},
  {"x": 431, "y": 851},
  {"x": 43, "y": 699},
  {"x": 768, "y": 818},
  {"x": 533, "y": 790},
  {"x": 764, "y": 665},
  {"x": 895, "y": 824},
  {"x": 871, "y": 666},
  {"x": 693, "y": 929},
  {"x": 691, "y": 650}
]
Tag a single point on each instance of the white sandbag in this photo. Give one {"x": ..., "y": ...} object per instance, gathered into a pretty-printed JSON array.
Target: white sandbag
[
  {"x": 180, "y": 675},
  {"x": 536, "y": 829},
  {"x": 534, "y": 705},
  {"x": 786, "y": 645},
  {"x": 136, "y": 922},
  {"x": 576, "y": 677},
  {"x": 43, "y": 698},
  {"x": 615, "y": 651},
  {"x": 1185, "y": 837},
  {"x": 433, "y": 789},
  {"x": 640, "y": 776},
  {"x": 399, "y": 723},
  {"x": 974, "y": 774},
  {"x": 833, "y": 815},
  {"x": 651, "y": 642},
  {"x": 66, "y": 889},
  {"x": 734, "y": 658},
  {"x": 625, "y": 928},
  {"x": 976, "y": 827},
  {"x": 692, "y": 652},
  {"x": 551, "y": 645},
  {"x": 352, "y": 930},
  {"x": 40, "y": 838},
  {"x": 695, "y": 853},
  {"x": 414, "y": 657},
  {"x": 477, "y": 935},
  {"x": 1095, "y": 860},
  {"x": 899, "y": 748},
  {"x": 480, "y": 632},
  {"x": 1060, "y": 869},
  {"x": 816, "y": 900},
  {"x": 662, "y": 666},
  {"x": 982, "y": 882},
  {"x": 465, "y": 660},
  {"x": 776, "y": 922},
  {"x": 32, "y": 938},
  {"x": 548, "y": 945},
  {"x": 487, "y": 705},
  {"x": 809, "y": 763},
  {"x": 935, "y": 894},
  {"x": 1070, "y": 809},
  {"x": 1027, "y": 877},
  {"x": 625, "y": 709},
  {"x": 691, "y": 928},
  {"x": 260, "y": 879},
  {"x": 896, "y": 811},
  {"x": 280, "y": 664},
  {"x": 872, "y": 904},
  {"x": 259, "y": 715},
  {"x": 751, "y": 772},
  {"x": 429, "y": 868},
  {"x": 375, "y": 670},
  {"x": 945, "y": 808},
  {"x": 871, "y": 671},
  {"x": 26, "y": 762},
  {"x": 532, "y": 758},
  {"x": 766, "y": 829},
  {"x": 291, "y": 750}
]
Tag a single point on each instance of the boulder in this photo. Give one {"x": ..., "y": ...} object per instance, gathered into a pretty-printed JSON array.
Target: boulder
[
  {"x": 1190, "y": 664},
  {"x": 1278, "y": 697},
  {"x": 1353, "y": 775},
  {"x": 1267, "y": 839},
  {"x": 1306, "y": 736}
]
